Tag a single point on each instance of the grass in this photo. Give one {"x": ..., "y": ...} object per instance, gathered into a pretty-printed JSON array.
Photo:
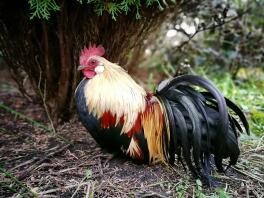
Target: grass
[
  {"x": 246, "y": 91},
  {"x": 12, "y": 184},
  {"x": 87, "y": 176},
  {"x": 34, "y": 123},
  {"x": 28, "y": 119},
  {"x": 183, "y": 185}
]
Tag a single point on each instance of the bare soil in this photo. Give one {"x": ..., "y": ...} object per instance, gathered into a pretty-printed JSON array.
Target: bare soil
[{"x": 69, "y": 163}]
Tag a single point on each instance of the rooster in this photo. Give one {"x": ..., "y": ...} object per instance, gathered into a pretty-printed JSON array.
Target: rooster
[{"x": 176, "y": 120}]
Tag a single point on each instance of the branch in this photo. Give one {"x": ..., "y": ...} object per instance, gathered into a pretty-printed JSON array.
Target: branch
[
  {"x": 205, "y": 28},
  {"x": 43, "y": 98}
]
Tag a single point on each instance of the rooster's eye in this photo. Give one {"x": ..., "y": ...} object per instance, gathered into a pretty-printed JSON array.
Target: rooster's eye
[{"x": 93, "y": 61}]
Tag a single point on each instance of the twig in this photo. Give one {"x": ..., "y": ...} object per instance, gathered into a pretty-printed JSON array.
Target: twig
[
  {"x": 58, "y": 189},
  {"x": 46, "y": 165},
  {"x": 25, "y": 163},
  {"x": 49, "y": 196},
  {"x": 151, "y": 185},
  {"x": 79, "y": 186},
  {"x": 190, "y": 37},
  {"x": 118, "y": 188},
  {"x": 154, "y": 194},
  {"x": 226, "y": 187},
  {"x": 100, "y": 167},
  {"x": 246, "y": 173},
  {"x": 256, "y": 194},
  {"x": 247, "y": 191},
  {"x": 34, "y": 166},
  {"x": 43, "y": 97},
  {"x": 67, "y": 169},
  {"x": 230, "y": 178},
  {"x": 88, "y": 190}
]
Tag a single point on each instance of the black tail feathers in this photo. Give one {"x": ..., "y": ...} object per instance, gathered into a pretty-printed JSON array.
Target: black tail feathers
[{"x": 200, "y": 124}]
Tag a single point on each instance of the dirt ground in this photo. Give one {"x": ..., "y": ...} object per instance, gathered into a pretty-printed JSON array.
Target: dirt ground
[{"x": 36, "y": 162}]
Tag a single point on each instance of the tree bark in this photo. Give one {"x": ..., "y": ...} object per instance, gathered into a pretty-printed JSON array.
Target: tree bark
[{"x": 47, "y": 52}]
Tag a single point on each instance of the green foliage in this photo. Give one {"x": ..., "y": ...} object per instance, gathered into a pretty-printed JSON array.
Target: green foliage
[
  {"x": 181, "y": 188},
  {"x": 199, "y": 189},
  {"x": 88, "y": 174},
  {"x": 42, "y": 8},
  {"x": 222, "y": 35},
  {"x": 257, "y": 121},
  {"x": 220, "y": 193},
  {"x": 151, "y": 86},
  {"x": 237, "y": 44},
  {"x": 247, "y": 91}
]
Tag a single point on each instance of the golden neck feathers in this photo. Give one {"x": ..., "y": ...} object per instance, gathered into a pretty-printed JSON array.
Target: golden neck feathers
[{"x": 114, "y": 91}]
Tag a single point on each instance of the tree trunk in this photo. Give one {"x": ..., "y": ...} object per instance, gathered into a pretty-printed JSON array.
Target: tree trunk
[{"x": 48, "y": 51}]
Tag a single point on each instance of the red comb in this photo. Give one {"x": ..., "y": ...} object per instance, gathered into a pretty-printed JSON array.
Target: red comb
[{"x": 91, "y": 51}]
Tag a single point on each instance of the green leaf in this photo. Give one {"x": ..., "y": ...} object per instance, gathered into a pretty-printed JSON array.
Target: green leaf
[
  {"x": 88, "y": 174},
  {"x": 222, "y": 193},
  {"x": 199, "y": 183}
]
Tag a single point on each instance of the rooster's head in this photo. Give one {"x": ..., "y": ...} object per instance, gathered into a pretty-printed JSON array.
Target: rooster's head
[{"x": 91, "y": 62}]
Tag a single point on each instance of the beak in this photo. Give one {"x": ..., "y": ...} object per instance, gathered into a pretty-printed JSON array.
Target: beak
[{"x": 81, "y": 67}]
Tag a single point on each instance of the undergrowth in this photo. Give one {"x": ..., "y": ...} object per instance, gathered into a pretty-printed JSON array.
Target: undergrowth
[{"x": 247, "y": 90}]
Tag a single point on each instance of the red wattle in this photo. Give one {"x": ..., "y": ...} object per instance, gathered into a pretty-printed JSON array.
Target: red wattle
[{"x": 89, "y": 73}]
